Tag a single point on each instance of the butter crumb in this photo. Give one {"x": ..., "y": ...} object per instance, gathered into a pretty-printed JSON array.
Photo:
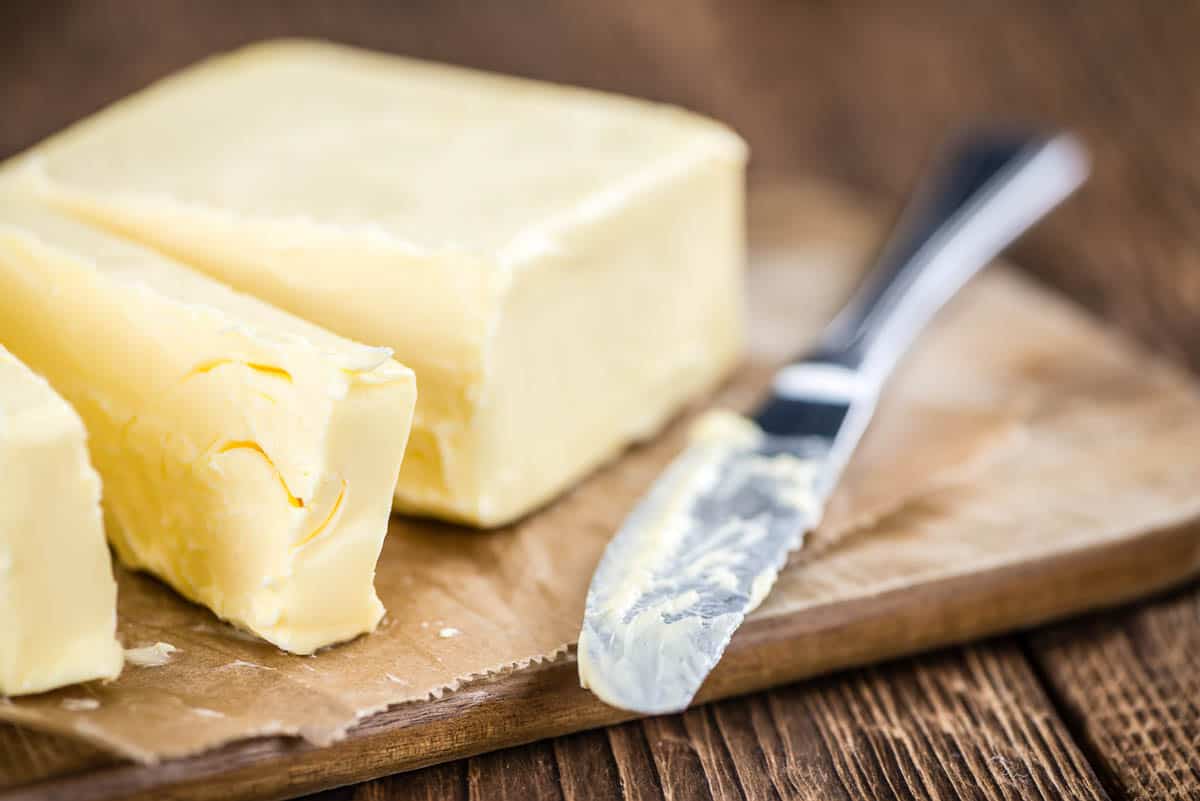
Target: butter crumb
[
  {"x": 448, "y": 632},
  {"x": 155, "y": 655}
]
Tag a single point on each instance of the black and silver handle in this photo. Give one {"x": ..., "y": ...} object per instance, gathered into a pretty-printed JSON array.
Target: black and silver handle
[{"x": 987, "y": 193}]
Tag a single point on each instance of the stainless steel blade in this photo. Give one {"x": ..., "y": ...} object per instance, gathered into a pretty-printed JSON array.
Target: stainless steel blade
[{"x": 697, "y": 554}]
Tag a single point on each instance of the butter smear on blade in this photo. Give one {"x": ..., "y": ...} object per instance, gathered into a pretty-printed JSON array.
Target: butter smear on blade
[
  {"x": 248, "y": 457},
  {"x": 562, "y": 268},
  {"x": 58, "y": 600},
  {"x": 700, "y": 552}
]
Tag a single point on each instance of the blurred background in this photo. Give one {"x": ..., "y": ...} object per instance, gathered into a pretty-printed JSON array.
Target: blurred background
[{"x": 854, "y": 92}]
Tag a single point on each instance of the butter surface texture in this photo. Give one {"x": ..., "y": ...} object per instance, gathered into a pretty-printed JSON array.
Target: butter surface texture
[
  {"x": 248, "y": 457},
  {"x": 561, "y": 268},
  {"x": 58, "y": 600}
]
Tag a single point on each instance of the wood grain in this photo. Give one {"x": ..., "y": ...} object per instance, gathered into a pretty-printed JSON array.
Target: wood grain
[
  {"x": 515, "y": 775},
  {"x": 28, "y": 756},
  {"x": 967, "y": 723},
  {"x": 1131, "y": 686},
  {"x": 438, "y": 783},
  {"x": 856, "y": 91},
  {"x": 582, "y": 777}
]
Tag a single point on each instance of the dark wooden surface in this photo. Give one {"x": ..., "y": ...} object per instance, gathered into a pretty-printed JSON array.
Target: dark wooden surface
[{"x": 1105, "y": 707}]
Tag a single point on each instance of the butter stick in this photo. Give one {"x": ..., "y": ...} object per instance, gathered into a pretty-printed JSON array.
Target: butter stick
[
  {"x": 561, "y": 268},
  {"x": 248, "y": 457},
  {"x": 58, "y": 600}
]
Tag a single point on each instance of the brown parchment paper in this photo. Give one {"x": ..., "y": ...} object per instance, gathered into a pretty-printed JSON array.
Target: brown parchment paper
[{"x": 1017, "y": 428}]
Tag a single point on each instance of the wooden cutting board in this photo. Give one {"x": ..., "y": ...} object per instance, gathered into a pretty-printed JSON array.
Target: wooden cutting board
[{"x": 1063, "y": 480}]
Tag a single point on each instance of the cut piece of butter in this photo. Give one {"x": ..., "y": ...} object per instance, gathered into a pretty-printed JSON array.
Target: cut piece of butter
[
  {"x": 248, "y": 457},
  {"x": 562, "y": 268},
  {"x": 58, "y": 600}
]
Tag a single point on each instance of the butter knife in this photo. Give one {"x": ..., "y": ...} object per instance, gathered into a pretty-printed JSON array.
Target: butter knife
[{"x": 702, "y": 549}]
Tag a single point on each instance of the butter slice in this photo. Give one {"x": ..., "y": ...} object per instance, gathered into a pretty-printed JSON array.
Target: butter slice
[
  {"x": 561, "y": 268},
  {"x": 248, "y": 457},
  {"x": 58, "y": 600}
]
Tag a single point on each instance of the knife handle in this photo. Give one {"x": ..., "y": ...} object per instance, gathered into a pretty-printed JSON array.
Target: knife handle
[
  {"x": 990, "y": 190},
  {"x": 987, "y": 193}
]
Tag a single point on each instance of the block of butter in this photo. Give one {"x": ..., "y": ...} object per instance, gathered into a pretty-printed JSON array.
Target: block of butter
[
  {"x": 58, "y": 600},
  {"x": 561, "y": 268},
  {"x": 248, "y": 457}
]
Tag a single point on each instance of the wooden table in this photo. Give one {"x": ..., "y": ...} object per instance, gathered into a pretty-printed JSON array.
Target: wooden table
[{"x": 1103, "y": 707}]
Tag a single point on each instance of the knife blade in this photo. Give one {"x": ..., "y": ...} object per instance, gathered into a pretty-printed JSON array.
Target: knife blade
[{"x": 704, "y": 546}]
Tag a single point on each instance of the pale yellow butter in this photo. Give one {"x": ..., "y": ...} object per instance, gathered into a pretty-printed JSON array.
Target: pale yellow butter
[
  {"x": 58, "y": 600},
  {"x": 561, "y": 268},
  {"x": 248, "y": 457}
]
